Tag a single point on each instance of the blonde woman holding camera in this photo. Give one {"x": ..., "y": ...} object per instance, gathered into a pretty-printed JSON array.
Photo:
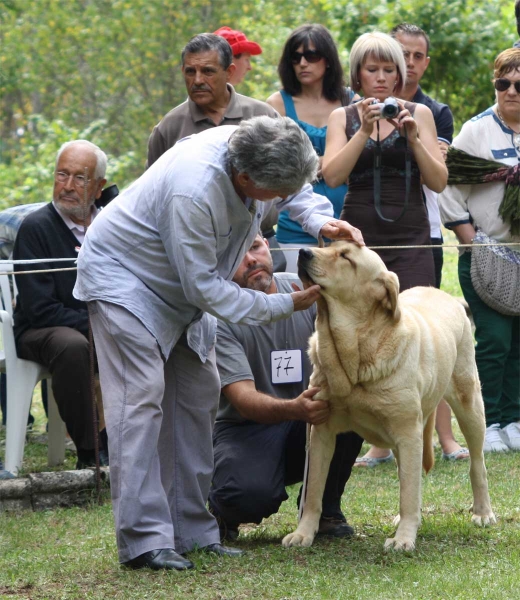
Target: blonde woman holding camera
[{"x": 385, "y": 148}]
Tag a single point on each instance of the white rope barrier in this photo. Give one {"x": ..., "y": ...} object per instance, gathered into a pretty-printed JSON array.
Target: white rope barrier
[
  {"x": 423, "y": 246},
  {"x": 38, "y": 271},
  {"x": 35, "y": 261},
  {"x": 48, "y": 260}
]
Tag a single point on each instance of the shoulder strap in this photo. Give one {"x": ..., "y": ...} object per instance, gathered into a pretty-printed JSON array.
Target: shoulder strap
[
  {"x": 350, "y": 113},
  {"x": 288, "y": 103},
  {"x": 411, "y": 106},
  {"x": 349, "y": 94}
]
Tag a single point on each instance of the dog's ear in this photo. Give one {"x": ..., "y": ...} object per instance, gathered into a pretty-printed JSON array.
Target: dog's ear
[{"x": 390, "y": 294}]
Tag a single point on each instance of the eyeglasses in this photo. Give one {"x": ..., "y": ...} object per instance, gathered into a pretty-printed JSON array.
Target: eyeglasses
[
  {"x": 80, "y": 181},
  {"x": 504, "y": 84},
  {"x": 311, "y": 56}
]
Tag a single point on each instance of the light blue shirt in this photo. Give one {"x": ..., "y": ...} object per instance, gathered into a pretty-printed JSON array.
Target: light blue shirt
[{"x": 167, "y": 247}]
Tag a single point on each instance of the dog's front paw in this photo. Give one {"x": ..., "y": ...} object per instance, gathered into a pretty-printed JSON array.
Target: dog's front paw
[
  {"x": 484, "y": 520},
  {"x": 297, "y": 539},
  {"x": 395, "y": 543}
]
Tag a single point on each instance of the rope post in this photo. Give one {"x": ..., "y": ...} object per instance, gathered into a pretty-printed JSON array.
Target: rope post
[{"x": 92, "y": 370}]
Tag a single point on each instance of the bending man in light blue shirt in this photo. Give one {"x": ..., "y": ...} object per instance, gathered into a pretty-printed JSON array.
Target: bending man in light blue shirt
[{"x": 155, "y": 268}]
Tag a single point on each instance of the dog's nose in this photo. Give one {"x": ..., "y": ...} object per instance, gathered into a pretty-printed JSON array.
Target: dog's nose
[{"x": 305, "y": 254}]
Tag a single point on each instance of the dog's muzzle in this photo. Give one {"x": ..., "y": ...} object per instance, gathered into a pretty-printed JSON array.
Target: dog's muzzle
[{"x": 305, "y": 256}]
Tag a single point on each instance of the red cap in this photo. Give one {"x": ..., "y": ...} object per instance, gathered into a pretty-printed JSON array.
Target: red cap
[{"x": 238, "y": 41}]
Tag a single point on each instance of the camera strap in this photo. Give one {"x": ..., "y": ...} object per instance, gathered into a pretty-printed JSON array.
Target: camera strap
[{"x": 377, "y": 177}]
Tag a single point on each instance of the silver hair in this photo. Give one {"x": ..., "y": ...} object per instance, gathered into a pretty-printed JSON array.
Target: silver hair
[
  {"x": 101, "y": 157},
  {"x": 276, "y": 154},
  {"x": 379, "y": 46}
]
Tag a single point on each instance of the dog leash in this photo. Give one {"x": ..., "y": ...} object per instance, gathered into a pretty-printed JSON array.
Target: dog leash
[
  {"x": 303, "y": 496},
  {"x": 321, "y": 244}
]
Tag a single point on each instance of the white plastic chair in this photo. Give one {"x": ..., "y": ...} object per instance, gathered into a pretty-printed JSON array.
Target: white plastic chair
[{"x": 22, "y": 377}]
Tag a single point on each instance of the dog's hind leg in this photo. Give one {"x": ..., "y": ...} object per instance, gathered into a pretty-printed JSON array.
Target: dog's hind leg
[
  {"x": 409, "y": 470},
  {"x": 428, "y": 456},
  {"x": 323, "y": 443},
  {"x": 465, "y": 398}
]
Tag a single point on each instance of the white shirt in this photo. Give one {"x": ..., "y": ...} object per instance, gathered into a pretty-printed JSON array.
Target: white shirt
[{"x": 484, "y": 136}]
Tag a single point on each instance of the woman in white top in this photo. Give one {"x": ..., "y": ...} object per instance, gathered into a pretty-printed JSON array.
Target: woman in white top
[{"x": 493, "y": 135}]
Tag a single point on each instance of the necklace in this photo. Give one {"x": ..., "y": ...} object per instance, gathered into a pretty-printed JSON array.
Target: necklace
[{"x": 515, "y": 135}]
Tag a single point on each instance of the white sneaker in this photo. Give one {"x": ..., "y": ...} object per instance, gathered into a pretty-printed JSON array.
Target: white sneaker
[
  {"x": 493, "y": 441},
  {"x": 511, "y": 436}
]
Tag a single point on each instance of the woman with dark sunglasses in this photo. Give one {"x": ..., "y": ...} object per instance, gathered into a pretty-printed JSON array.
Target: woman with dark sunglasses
[
  {"x": 313, "y": 86},
  {"x": 493, "y": 135}
]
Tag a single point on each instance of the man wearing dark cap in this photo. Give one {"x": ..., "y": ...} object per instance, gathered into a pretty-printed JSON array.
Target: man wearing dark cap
[{"x": 242, "y": 49}]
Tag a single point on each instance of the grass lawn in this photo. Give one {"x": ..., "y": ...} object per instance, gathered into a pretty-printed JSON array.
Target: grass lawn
[{"x": 71, "y": 553}]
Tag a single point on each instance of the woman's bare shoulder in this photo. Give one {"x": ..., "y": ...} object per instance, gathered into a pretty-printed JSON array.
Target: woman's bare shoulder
[
  {"x": 422, "y": 110},
  {"x": 276, "y": 101}
]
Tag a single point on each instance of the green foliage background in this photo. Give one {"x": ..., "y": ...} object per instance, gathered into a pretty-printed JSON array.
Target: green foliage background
[{"x": 108, "y": 70}]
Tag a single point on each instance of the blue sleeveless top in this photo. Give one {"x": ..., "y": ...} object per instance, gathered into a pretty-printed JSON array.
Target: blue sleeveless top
[{"x": 291, "y": 232}]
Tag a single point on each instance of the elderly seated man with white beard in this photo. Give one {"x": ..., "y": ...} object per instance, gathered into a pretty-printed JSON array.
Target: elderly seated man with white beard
[
  {"x": 265, "y": 404},
  {"x": 50, "y": 325}
]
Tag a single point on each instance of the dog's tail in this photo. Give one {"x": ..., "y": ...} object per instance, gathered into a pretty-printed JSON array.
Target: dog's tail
[{"x": 428, "y": 456}]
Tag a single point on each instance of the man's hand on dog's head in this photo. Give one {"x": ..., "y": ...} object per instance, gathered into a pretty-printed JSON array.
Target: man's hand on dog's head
[
  {"x": 304, "y": 299},
  {"x": 341, "y": 230},
  {"x": 312, "y": 411}
]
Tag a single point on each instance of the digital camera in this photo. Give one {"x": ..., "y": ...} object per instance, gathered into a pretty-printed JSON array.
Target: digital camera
[{"x": 389, "y": 108}]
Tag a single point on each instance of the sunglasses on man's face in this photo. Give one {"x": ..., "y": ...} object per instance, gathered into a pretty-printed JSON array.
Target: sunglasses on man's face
[
  {"x": 311, "y": 56},
  {"x": 503, "y": 84}
]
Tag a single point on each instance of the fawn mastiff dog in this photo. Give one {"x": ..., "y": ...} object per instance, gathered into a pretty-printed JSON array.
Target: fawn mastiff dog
[{"x": 384, "y": 360}]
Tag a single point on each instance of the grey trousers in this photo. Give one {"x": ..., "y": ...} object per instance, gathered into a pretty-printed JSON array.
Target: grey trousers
[{"x": 159, "y": 417}]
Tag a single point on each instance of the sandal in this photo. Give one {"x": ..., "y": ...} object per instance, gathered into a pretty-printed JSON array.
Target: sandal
[
  {"x": 370, "y": 461},
  {"x": 460, "y": 454}
]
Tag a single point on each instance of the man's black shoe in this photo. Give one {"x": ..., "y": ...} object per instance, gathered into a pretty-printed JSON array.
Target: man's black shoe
[
  {"x": 221, "y": 550},
  {"x": 87, "y": 459},
  {"x": 334, "y": 528},
  {"x": 163, "y": 558},
  {"x": 227, "y": 532}
]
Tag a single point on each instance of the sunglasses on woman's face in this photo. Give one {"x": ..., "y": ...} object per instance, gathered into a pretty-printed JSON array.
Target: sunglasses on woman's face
[
  {"x": 504, "y": 84},
  {"x": 311, "y": 56}
]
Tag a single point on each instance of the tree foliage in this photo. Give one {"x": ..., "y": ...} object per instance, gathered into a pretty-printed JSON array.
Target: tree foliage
[{"x": 110, "y": 69}]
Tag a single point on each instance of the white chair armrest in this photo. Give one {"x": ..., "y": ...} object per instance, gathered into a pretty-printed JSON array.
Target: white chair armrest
[{"x": 8, "y": 337}]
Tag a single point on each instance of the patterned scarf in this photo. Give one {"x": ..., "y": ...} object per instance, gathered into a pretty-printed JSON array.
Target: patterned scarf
[{"x": 464, "y": 168}]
